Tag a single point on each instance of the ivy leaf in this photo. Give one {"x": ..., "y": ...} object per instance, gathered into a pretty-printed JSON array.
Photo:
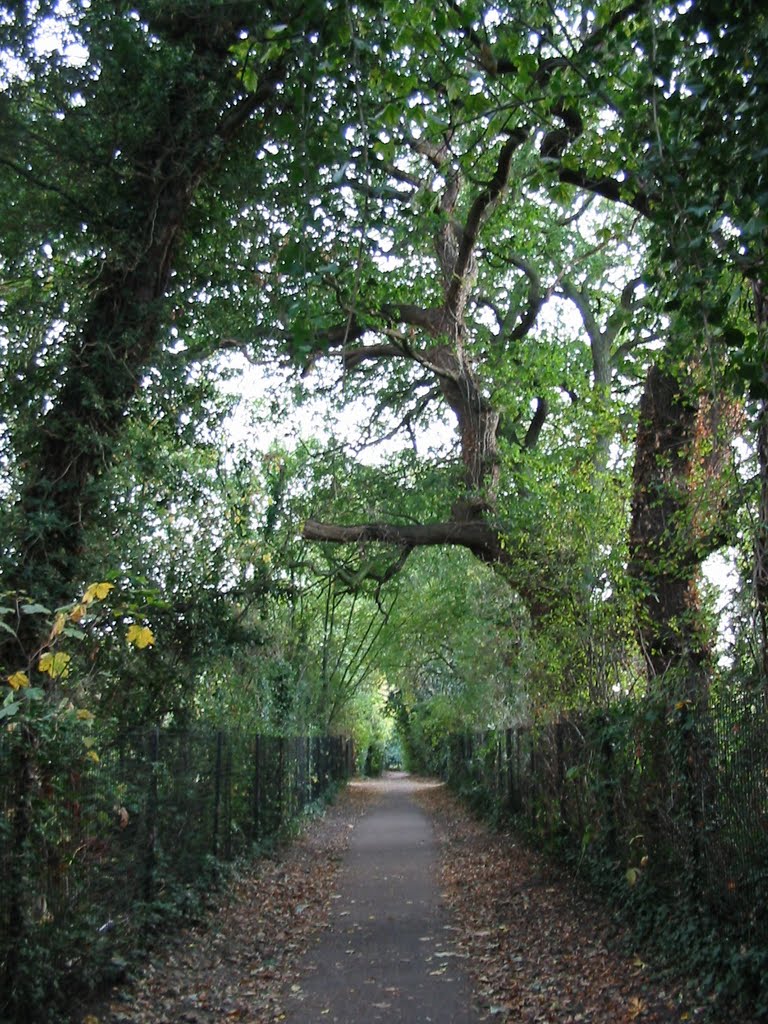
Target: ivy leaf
[{"x": 35, "y": 609}]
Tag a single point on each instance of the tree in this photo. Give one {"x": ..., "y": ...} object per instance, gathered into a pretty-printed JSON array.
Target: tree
[
  {"x": 698, "y": 111},
  {"x": 117, "y": 162},
  {"x": 489, "y": 193},
  {"x": 522, "y": 125}
]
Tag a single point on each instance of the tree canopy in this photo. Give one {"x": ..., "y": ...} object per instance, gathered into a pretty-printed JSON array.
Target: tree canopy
[{"x": 536, "y": 231}]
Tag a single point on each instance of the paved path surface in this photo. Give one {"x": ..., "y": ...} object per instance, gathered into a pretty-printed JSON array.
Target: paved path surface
[{"x": 388, "y": 956}]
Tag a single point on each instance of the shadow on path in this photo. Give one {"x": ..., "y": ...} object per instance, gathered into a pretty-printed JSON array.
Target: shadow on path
[{"x": 388, "y": 954}]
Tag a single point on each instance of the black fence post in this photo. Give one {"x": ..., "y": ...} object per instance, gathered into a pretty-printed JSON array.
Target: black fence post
[
  {"x": 608, "y": 788},
  {"x": 227, "y": 796},
  {"x": 560, "y": 774},
  {"x": 256, "y": 791},
  {"x": 534, "y": 787},
  {"x": 509, "y": 768},
  {"x": 21, "y": 817},
  {"x": 217, "y": 793},
  {"x": 307, "y": 769},
  {"x": 151, "y": 815},
  {"x": 280, "y": 781}
]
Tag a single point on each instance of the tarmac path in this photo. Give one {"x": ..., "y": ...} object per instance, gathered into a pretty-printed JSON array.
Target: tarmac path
[{"x": 387, "y": 956}]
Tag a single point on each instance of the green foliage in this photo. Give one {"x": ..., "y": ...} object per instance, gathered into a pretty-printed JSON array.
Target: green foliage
[
  {"x": 651, "y": 802},
  {"x": 179, "y": 185}
]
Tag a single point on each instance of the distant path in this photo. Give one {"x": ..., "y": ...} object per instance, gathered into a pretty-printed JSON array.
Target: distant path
[{"x": 388, "y": 955}]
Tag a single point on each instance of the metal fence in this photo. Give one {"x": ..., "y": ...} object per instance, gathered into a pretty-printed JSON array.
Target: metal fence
[
  {"x": 94, "y": 856},
  {"x": 660, "y": 800}
]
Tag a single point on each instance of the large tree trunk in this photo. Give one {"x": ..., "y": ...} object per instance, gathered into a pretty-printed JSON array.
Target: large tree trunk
[
  {"x": 761, "y": 530},
  {"x": 187, "y": 130},
  {"x": 676, "y": 521}
]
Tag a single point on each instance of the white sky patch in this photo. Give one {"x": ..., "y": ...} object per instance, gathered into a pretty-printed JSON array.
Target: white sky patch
[
  {"x": 720, "y": 571},
  {"x": 314, "y": 418}
]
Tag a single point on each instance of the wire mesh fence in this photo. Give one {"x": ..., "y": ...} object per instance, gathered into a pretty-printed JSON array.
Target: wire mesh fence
[
  {"x": 94, "y": 856},
  {"x": 669, "y": 801}
]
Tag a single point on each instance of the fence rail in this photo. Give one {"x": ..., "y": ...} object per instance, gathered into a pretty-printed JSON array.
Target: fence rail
[{"x": 94, "y": 855}]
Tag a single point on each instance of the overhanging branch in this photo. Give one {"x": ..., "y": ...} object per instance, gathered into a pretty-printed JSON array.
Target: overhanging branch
[{"x": 478, "y": 537}]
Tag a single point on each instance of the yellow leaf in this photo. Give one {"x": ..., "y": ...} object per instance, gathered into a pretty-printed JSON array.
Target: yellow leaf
[
  {"x": 97, "y": 592},
  {"x": 636, "y": 1008},
  {"x": 18, "y": 680},
  {"x": 56, "y": 665},
  {"x": 140, "y": 636},
  {"x": 59, "y": 624},
  {"x": 78, "y": 612},
  {"x": 632, "y": 875},
  {"x": 84, "y": 715},
  {"x": 93, "y": 756}
]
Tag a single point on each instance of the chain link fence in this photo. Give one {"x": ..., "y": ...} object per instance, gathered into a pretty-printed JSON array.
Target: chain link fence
[{"x": 95, "y": 856}]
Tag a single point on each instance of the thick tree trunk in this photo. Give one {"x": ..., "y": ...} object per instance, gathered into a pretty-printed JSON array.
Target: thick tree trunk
[
  {"x": 677, "y": 520},
  {"x": 665, "y": 558},
  {"x": 121, "y": 325},
  {"x": 477, "y": 423},
  {"x": 761, "y": 530}
]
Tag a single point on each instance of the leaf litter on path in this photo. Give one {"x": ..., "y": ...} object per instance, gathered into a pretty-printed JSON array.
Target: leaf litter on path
[
  {"x": 237, "y": 963},
  {"x": 539, "y": 950}
]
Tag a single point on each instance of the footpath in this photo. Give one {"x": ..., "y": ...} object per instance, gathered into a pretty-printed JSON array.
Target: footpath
[
  {"x": 397, "y": 905},
  {"x": 388, "y": 955}
]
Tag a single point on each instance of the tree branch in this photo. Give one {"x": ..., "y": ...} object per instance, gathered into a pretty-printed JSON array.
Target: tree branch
[
  {"x": 477, "y": 536},
  {"x": 354, "y": 357},
  {"x": 534, "y": 429},
  {"x": 483, "y": 204},
  {"x": 609, "y": 188},
  {"x": 536, "y": 298}
]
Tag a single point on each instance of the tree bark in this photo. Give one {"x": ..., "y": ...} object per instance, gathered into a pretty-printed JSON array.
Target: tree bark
[
  {"x": 478, "y": 537},
  {"x": 760, "y": 580},
  {"x": 665, "y": 551},
  {"x": 120, "y": 330}
]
